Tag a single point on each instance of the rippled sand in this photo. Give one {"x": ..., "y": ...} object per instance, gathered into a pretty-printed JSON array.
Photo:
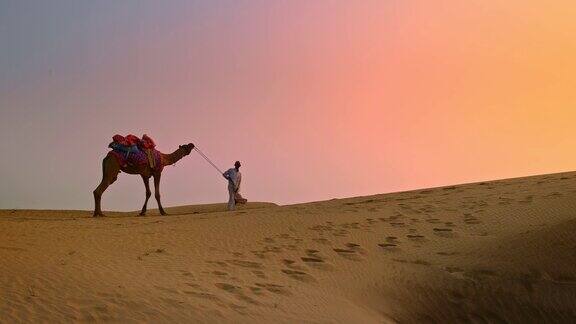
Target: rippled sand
[{"x": 484, "y": 252}]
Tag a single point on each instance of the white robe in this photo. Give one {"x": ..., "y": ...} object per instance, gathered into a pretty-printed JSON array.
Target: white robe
[{"x": 234, "y": 179}]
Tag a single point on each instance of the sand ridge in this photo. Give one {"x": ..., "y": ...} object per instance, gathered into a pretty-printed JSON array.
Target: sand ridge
[{"x": 499, "y": 251}]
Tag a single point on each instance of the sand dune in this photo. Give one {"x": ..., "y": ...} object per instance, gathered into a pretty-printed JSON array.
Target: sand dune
[{"x": 500, "y": 251}]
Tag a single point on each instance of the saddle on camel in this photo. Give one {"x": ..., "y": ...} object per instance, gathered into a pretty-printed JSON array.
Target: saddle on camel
[
  {"x": 134, "y": 151},
  {"x": 133, "y": 155}
]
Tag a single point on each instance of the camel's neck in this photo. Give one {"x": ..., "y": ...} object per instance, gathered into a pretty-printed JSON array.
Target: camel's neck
[{"x": 169, "y": 159}]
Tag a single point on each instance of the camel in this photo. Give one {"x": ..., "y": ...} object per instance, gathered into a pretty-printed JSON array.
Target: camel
[{"x": 111, "y": 168}]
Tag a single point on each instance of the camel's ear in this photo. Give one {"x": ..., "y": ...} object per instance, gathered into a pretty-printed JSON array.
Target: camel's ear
[{"x": 180, "y": 146}]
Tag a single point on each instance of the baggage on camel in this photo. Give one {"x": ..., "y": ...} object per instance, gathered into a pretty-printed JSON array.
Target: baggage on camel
[{"x": 134, "y": 151}]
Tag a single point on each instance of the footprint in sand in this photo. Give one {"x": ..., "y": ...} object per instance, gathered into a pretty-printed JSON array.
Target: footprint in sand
[
  {"x": 186, "y": 273},
  {"x": 288, "y": 262},
  {"x": 400, "y": 260},
  {"x": 194, "y": 285},
  {"x": 314, "y": 260},
  {"x": 322, "y": 228},
  {"x": 415, "y": 237},
  {"x": 505, "y": 201},
  {"x": 391, "y": 239},
  {"x": 242, "y": 310},
  {"x": 269, "y": 240},
  {"x": 151, "y": 252},
  {"x": 245, "y": 264},
  {"x": 453, "y": 269},
  {"x": 290, "y": 247},
  {"x": 311, "y": 259},
  {"x": 317, "y": 263},
  {"x": 443, "y": 232},
  {"x": 237, "y": 292},
  {"x": 341, "y": 233},
  {"x": 527, "y": 200},
  {"x": 350, "y": 225},
  {"x": 344, "y": 251},
  {"x": 259, "y": 254},
  {"x": 273, "y": 288},
  {"x": 351, "y": 253},
  {"x": 292, "y": 264},
  {"x": 259, "y": 274},
  {"x": 421, "y": 262},
  {"x": 272, "y": 249},
  {"x": 472, "y": 221},
  {"x": 256, "y": 290},
  {"x": 203, "y": 295},
  {"x": 321, "y": 240},
  {"x": 298, "y": 275},
  {"x": 355, "y": 247}
]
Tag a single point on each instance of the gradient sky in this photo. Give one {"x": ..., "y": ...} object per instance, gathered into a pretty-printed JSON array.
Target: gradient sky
[{"x": 319, "y": 99}]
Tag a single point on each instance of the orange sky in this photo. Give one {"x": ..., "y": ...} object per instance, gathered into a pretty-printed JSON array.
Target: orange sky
[{"x": 319, "y": 99}]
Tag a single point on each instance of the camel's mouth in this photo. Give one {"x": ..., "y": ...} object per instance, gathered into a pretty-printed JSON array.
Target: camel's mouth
[{"x": 187, "y": 148}]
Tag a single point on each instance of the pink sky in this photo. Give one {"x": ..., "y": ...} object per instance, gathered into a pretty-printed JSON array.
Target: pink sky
[{"x": 319, "y": 100}]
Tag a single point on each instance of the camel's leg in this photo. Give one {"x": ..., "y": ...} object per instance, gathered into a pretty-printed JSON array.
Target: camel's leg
[
  {"x": 148, "y": 194},
  {"x": 157, "y": 192},
  {"x": 110, "y": 170}
]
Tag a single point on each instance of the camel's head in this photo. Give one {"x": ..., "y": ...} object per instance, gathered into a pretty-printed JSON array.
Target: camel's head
[{"x": 187, "y": 148}]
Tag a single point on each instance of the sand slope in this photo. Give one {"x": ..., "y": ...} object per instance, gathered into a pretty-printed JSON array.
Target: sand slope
[{"x": 486, "y": 252}]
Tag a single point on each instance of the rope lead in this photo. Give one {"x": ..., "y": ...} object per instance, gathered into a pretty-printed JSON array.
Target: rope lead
[{"x": 207, "y": 159}]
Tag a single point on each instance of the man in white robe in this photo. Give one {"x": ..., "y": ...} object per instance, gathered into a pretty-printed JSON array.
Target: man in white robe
[{"x": 234, "y": 178}]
